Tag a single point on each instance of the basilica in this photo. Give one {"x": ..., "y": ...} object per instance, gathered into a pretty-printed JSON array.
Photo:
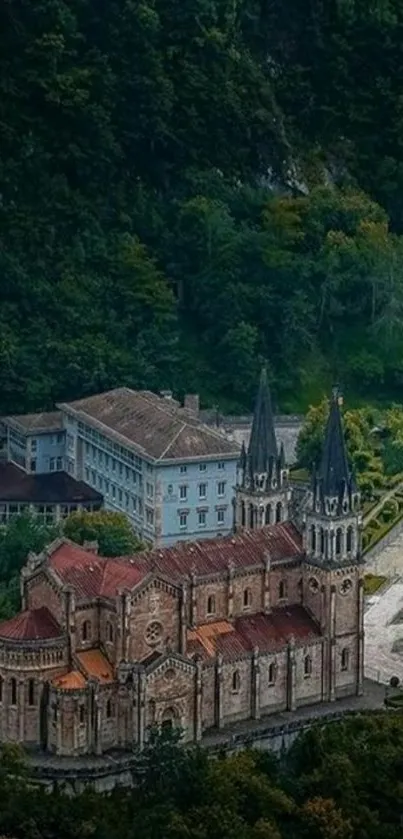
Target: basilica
[{"x": 198, "y": 635}]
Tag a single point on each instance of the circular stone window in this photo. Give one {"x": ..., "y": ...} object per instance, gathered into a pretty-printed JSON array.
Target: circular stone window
[
  {"x": 314, "y": 585},
  {"x": 346, "y": 586},
  {"x": 169, "y": 675},
  {"x": 153, "y": 633}
]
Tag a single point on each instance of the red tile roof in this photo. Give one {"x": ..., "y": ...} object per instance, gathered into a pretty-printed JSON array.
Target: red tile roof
[
  {"x": 245, "y": 549},
  {"x": 32, "y": 625},
  {"x": 95, "y": 576},
  {"x": 267, "y": 632},
  {"x": 92, "y": 575},
  {"x": 95, "y": 664}
]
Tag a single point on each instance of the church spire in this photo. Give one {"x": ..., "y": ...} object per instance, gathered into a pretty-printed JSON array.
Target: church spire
[
  {"x": 334, "y": 479},
  {"x": 262, "y": 449}
]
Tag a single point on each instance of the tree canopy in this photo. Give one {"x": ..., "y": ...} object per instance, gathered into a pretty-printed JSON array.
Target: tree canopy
[
  {"x": 340, "y": 781},
  {"x": 190, "y": 189}
]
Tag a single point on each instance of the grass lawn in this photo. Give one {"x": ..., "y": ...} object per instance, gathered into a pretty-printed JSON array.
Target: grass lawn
[{"x": 372, "y": 583}]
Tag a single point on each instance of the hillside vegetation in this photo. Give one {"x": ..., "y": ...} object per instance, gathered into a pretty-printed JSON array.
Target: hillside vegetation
[{"x": 190, "y": 188}]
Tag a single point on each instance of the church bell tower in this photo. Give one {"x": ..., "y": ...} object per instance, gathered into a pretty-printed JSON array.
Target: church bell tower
[
  {"x": 262, "y": 491},
  {"x": 332, "y": 531}
]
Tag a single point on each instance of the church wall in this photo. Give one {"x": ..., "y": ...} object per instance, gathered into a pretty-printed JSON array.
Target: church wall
[
  {"x": 309, "y": 688},
  {"x": 208, "y": 695},
  {"x": 107, "y": 632},
  {"x": 40, "y": 593},
  {"x": 172, "y": 692},
  {"x": 154, "y": 609},
  {"x": 273, "y": 697},
  {"x": 87, "y": 627},
  {"x": 346, "y": 604},
  {"x": 22, "y": 687},
  {"x": 236, "y": 705},
  {"x": 218, "y": 589},
  {"x": 109, "y": 724},
  {"x": 291, "y": 577},
  {"x": 346, "y": 679},
  {"x": 254, "y": 584}
]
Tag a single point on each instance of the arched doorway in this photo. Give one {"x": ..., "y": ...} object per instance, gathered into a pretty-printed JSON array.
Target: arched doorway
[{"x": 169, "y": 719}]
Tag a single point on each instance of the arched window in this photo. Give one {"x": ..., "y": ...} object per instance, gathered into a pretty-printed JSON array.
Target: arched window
[
  {"x": 279, "y": 511},
  {"x": 322, "y": 541},
  {"x": 267, "y": 517},
  {"x": 109, "y": 632},
  {"x": 86, "y": 631},
  {"x": 349, "y": 539},
  {"x": 345, "y": 659},
  {"x": 13, "y": 691},
  {"x": 211, "y": 605},
  {"x": 236, "y": 681},
  {"x": 272, "y": 673},
  {"x": 313, "y": 538},
  {"x": 307, "y": 665},
  {"x": 282, "y": 590},
  {"x": 82, "y": 714},
  {"x": 31, "y": 692},
  {"x": 109, "y": 709},
  {"x": 247, "y": 598},
  {"x": 251, "y": 516},
  {"x": 339, "y": 536}
]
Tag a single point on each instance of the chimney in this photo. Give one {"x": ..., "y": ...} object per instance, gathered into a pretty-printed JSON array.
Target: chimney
[
  {"x": 92, "y": 547},
  {"x": 192, "y": 403}
]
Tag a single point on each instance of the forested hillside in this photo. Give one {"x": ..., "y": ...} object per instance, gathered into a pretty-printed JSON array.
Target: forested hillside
[{"x": 190, "y": 188}]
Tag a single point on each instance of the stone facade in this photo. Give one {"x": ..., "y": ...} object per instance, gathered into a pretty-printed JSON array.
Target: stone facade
[{"x": 201, "y": 635}]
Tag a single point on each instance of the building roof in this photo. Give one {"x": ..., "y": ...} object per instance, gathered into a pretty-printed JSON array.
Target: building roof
[
  {"x": 73, "y": 680},
  {"x": 266, "y": 632},
  {"x": 46, "y": 488},
  {"x": 246, "y": 549},
  {"x": 96, "y": 576},
  {"x": 262, "y": 443},
  {"x": 92, "y": 575},
  {"x": 48, "y": 421},
  {"x": 32, "y": 625},
  {"x": 152, "y": 425},
  {"x": 95, "y": 665}
]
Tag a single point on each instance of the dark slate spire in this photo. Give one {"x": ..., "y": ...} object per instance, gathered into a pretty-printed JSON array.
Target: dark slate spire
[
  {"x": 334, "y": 473},
  {"x": 262, "y": 443}
]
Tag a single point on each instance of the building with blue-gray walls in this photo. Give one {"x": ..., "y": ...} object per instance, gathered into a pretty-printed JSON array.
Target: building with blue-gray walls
[
  {"x": 35, "y": 442},
  {"x": 154, "y": 460}
]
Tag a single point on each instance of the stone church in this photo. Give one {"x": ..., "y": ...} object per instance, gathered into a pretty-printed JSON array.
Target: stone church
[{"x": 199, "y": 635}]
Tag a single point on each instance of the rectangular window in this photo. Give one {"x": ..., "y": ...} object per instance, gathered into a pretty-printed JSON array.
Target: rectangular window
[
  {"x": 150, "y": 491},
  {"x": 60, "y": 437},
  {"x": 202, "y": 519},
  {"x": 33, "y": 465},
  {"x": 183, "y": 521},
  {"x": 221, "y": 464},
  {"x": 52, "y": 464},
  {"x": 220, "y": 516},
  {"x": 150, "y": 517},
  {"x": 134, "y": 502},
  {"x": 202, "y": 467},
  {"x": 106, "y": 490},
  {"x": 127, "y": 500},
  {"x": 70, "y": 442},
  {"x": 87, "y": 448},
  {"x": 33, "y": 445},
  {"x": 183, "y": 492},
  {"x": 94, "y": 477},
  {"x": 183, "y": 470},
  {"x": 113, "y": 492},
  {"x": 127, "y": 473},
  {"x": 221, "y": 489},
  {"x": 101, "y": 458},
  {"x": 120, "y": 496},
  {"x": 87, "y": 475},
  {"x": 59, "y": 464},
  {"x": 113, "y": 465},
  {"x": 107, "y": 462},
  {"x": 100, "y": 481},
  {"x": 202, "y": 490},
  {"x": 121, "y": 470}
]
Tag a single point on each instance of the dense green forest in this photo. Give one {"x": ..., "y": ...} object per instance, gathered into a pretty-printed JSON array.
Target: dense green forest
[
  {"x": 188, "y": 189},
  {"x": 343, "y": 781}
]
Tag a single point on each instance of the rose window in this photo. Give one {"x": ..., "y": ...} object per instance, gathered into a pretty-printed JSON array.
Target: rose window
[
  {"x": 153, "y": 633},
  {"x": 313, "y": 584}
]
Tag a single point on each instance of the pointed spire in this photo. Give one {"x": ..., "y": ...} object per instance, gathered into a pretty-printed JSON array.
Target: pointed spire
[
  {"x": 262, "y": 443},
  {"x": 334, "y": 473}
]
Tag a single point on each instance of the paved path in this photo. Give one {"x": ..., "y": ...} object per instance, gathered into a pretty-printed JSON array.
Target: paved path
[
  {"x": 384, "y": 635},
  {"x": 378, "y": 507}
]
